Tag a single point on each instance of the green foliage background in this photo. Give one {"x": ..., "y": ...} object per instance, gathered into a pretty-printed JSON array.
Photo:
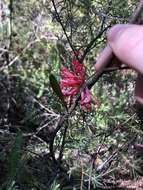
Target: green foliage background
[{"x": 33, "y": 45}]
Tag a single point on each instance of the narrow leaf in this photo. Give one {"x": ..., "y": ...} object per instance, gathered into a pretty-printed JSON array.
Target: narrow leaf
[{"x": 56, "y": 88}]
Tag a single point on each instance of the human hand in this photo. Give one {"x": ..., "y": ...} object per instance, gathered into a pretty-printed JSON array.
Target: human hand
[{"x": 126, "y": 43}]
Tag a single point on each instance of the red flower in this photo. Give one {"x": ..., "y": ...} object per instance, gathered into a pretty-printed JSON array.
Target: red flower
[
  {"x": 72, "y": 81},
  {"x": 86, "y": 99}
]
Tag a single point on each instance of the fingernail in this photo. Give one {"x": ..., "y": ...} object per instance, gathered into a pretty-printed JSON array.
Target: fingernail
[{"x": 115, "y": 32}]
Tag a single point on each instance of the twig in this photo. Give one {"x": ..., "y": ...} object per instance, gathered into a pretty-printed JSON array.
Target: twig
[
  {"x": 18, "y": 56},
  {"x": 109, "y": 17},
  {"x": 137, "y": 13},
  {"x": 81, "y": 181},
  {"x": 114, "y": 155},
  {"x": 89, "y": 46},
  {"x": 22, "y": 52},
  {"x": 63, "y": 143},
  {"x": 11, "y": 20},
  {"x": 90, "y": 176},
  {"x": 89, "y": 84},
  {"x": 107, "y": 54},
  {"x": 94, "y": 41},
  {"x": 59, "y": 126},
  {"x": 63, "y": 28},
  {"x": 32, "y": 152}
]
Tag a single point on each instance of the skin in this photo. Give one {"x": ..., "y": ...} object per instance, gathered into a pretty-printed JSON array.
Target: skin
[{"x": 125, "y": 41}]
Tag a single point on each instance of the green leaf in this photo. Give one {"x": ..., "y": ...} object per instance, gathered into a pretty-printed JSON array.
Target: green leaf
[{"x": 56, "y": 88}]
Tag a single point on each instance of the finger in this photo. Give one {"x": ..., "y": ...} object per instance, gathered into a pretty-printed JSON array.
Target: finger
[
  {"x": 126, "y": 42},
  {"x": 103, "y": 59}
]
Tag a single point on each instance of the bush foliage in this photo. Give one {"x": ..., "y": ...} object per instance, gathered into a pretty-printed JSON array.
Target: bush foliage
[{"x": 43, "y": 144}]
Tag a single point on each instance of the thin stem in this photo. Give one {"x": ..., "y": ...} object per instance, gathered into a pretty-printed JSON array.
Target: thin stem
[
  {"x": 93, "y": 42},
  {"x": 137, "y": 13},
  {"x": 63, "y": 28},
  {"x": 11, "y": 20},
  {"x": 107, "y": 54},
  {"x": 63, "y": 143},
  {"x": 89, "y": 84}
]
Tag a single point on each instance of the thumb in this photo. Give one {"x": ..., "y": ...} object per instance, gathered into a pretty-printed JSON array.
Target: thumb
[{"x": 126, "y": 41}]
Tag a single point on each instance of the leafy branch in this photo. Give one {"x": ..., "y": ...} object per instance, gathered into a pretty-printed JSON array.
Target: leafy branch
[{"x": 90, "y": 83}]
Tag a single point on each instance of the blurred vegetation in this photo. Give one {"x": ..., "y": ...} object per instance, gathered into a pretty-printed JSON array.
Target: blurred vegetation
[{"x": 96, "y": 150}]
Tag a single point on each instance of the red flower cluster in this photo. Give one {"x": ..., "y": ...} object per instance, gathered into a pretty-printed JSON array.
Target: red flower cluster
[{"x": 72, "y": 81}]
